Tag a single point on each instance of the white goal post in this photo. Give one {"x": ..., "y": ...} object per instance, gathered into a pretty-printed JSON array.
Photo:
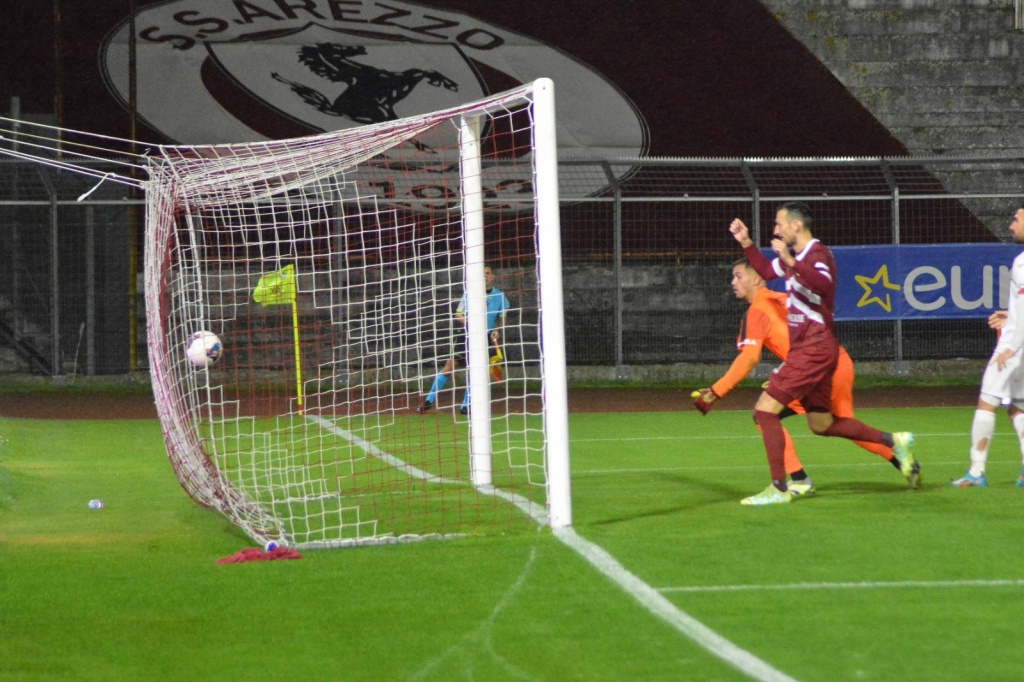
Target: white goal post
[{"x": 334, "y": 270}]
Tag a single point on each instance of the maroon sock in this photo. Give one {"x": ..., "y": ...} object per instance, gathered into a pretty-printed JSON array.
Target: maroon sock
[
  {"x": 854, "y": 429},
  {"x": 774, "y": 443}
]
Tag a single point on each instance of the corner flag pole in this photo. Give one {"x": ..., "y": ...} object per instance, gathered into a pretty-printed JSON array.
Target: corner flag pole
[
  {"x": 278, "y": 288},
  {"x": 298, "y": 359}
]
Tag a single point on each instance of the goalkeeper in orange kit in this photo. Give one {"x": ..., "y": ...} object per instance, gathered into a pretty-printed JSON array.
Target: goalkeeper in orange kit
[{"x": 765, "y": 325}]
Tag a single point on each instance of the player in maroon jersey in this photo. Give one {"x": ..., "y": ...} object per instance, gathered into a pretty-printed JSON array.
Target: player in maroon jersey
[{"x": 806, "y": 375}]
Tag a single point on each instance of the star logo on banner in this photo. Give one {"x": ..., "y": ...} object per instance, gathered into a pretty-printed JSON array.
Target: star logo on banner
[{"x": 881, "y": 278}]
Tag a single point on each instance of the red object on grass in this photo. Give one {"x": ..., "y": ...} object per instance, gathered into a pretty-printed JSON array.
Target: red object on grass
[{"x": 257, "y": 554}]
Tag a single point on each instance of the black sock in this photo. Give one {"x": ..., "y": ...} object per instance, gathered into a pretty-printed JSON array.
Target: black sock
[
  {"x": 799, "y": 475},
  {"x": 896, "y": 463}
]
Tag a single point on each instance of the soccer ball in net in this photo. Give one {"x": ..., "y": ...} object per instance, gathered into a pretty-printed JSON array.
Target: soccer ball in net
[{"x": 204, "y": 349}]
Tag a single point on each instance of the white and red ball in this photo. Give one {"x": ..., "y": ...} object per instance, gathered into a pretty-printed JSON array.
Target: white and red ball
[{"x": 204, "y": 349}]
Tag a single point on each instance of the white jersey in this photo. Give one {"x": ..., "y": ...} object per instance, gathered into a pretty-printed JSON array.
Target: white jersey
[
  {"x": 1007, "y": 384},
  {"x": 1012, "y": 333}
]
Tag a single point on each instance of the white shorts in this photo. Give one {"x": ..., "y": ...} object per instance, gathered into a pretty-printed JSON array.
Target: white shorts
[{"x": 1006, "y": 384}]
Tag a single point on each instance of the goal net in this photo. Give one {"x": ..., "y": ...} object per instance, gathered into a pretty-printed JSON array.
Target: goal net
[{"x": 342, "y": 273}]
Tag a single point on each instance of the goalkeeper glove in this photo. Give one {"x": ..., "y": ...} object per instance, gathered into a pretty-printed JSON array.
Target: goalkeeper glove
[{"x": 703, "y": 399}]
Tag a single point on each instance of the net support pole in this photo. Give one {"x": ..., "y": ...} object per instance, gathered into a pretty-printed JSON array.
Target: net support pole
[
  {"x": 91, "y": 298},
  {"x": 549, "y": 249},
  {"x": 55, "y": 351},
  {"x": 476, "y": 303}
]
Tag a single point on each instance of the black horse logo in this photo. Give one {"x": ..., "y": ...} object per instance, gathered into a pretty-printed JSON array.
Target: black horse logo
[{"x": 371, "y": 94}]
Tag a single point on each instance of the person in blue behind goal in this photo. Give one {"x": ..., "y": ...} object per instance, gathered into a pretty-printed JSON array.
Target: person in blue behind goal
[
  {"x": 497, "y": 309},
  {"x": 1003, "y": 381}
]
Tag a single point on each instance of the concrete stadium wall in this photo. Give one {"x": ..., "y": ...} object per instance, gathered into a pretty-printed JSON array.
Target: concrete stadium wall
[{"x": 946, "y": 77}]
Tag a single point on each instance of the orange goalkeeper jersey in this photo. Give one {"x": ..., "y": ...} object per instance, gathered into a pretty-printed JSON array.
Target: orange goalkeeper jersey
[{"x": 763, "y": 325}]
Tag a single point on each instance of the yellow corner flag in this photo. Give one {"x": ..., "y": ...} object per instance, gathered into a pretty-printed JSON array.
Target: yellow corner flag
[
  {"x": 276, "y": 288},
  {"x": 495, "y": 362}
]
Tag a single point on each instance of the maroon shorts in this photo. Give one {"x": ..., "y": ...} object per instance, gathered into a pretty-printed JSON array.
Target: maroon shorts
[{"x": 806, "y": 375}]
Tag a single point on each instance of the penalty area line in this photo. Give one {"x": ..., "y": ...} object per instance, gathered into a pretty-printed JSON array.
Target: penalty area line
[
  {"x": 760, "y": 467},
  {"x": 657, "y": 604},
  {"x": 757, "y": 437},
  {"x": 899, "y": 585}
]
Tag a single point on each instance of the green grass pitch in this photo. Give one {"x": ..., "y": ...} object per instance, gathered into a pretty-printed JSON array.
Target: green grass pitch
[{"x": 865, "y": 581}]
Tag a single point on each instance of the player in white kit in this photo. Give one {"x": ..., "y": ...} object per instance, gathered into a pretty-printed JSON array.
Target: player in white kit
[{"x": 1003, "y": 381}]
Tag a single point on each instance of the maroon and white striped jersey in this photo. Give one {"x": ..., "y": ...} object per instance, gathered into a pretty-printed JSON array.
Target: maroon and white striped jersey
[{"x": 810, "y": 289}]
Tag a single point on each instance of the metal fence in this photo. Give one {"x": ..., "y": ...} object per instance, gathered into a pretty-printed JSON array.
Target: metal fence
[
  {"x": 646, "y": 255},
  {"x": 69, "y": 304}
]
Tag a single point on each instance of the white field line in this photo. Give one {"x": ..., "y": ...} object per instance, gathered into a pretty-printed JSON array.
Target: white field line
[
  {"x": 655, "y": 603},
  {"x": 372, "y": 449},
  {"x": 859, "y": 409},
  {"x": 535, "y": 511},
  {"x": 760, "y": 466},
  {"x": 483, "y": 635},
  {"x": 755, "y": 435},
  {"x": 606, "y": 564},
  {"x": 897, "y": 585},
  {"x": 531, "y": 509},
  {"x": 867, "y": 462}
]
